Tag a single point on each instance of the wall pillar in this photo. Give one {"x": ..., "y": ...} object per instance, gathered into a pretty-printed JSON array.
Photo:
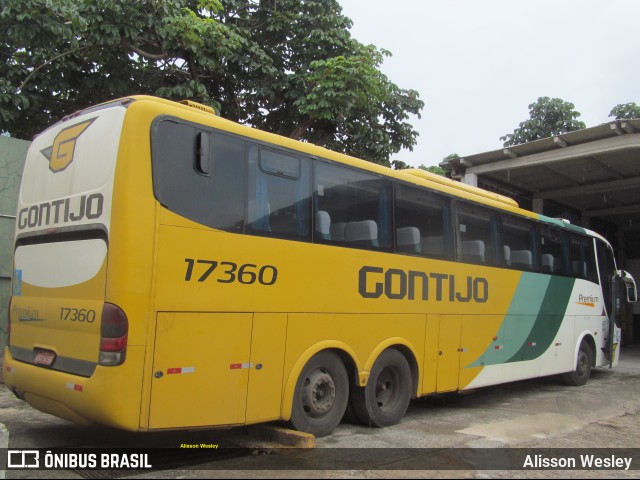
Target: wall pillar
[
  {"x": 538, "y": 205},
  {"x": 470, "y": 179}
]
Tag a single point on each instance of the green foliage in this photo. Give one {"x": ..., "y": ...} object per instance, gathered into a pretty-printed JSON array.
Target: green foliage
[
  {"x": 286, "y": 66},
  {"x": 451, "y": 156},
  {"x": 625, "y": 111},
  {"x": 548, "y": 117},
  {"x": 434, "y": 169},
  {"x": 399, "y": 165}
]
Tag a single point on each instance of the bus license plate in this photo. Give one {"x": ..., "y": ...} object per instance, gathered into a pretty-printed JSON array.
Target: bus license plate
[{"x": 44, "y": 357}]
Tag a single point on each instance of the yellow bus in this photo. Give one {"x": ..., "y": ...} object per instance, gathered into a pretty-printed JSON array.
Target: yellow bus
[{"x": 175, "y": 270}]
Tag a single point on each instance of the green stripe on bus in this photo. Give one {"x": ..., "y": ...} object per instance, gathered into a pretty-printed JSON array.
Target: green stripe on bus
[
  {"x": 517, "y": 324},
  {"x": 524, "y": 336},
  {"x": 552, "y": 312}
]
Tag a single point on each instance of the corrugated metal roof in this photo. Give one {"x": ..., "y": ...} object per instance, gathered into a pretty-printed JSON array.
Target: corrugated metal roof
[
  {"x": 599, "y": 132},
  {"x": 586, "y": 171}
]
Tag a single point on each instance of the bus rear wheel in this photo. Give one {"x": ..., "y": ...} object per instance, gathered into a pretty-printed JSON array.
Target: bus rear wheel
[
  {"x": 385, "y": 399},
  {"x": 582, "y": 372},
  {"x": 321, "y": 395}
]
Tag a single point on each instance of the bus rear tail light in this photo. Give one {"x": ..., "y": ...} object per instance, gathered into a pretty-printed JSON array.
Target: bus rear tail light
[{"x": 113, "y": 335}]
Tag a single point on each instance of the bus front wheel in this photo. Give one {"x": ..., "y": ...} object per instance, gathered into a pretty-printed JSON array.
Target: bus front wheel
[
  {"x": 321, "y": 395},
  {"x": 582, "y": 372},
  {"x": 385, "y": 399}
]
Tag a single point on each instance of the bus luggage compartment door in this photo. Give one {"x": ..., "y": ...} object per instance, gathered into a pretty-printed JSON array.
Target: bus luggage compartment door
[{"x": 200, "y": 369}]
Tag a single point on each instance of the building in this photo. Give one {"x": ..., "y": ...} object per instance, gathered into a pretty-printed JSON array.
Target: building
[{"x": 12, "y": 155}]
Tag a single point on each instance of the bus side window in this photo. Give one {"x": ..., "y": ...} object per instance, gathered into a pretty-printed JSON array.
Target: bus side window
[
  {"x": 278, "y": 203},
  {"x": 478, "y": 235},
  {"x": 228, "y": 172},
  {"x": 519, "y": 237},
  {"x": 423, "y": 224},
  {"x": 582, "y": 257},
  {"x": 590, "y": 260},
  {"x": 180, "y": 154},
  {"x": 551, "y": 251},
  {"x": 352, "y": 208}
]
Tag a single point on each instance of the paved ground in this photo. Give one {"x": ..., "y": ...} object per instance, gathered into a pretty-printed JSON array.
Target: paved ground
[{"x": 527, "y": 415}]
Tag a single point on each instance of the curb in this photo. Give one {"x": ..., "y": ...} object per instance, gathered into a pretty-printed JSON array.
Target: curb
[{"x": 271, "y": 436}]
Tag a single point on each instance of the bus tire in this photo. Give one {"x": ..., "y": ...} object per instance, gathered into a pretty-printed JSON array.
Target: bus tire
[
  {"x": 580, "y": 375},
  {"x": 385, "y": 399},
  {"x": 321, "y": 395}
]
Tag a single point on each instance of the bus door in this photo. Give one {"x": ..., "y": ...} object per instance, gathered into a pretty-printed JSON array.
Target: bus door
[
  {"x": 608, "y": 283},
  {"x": 615, "y": 320},
  {"x": 621, "y": 284},
  {"x": 615, "y": 285}
]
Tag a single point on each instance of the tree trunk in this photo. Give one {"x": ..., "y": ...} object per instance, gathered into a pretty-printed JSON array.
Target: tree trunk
[{"x": 301, "y": 129}]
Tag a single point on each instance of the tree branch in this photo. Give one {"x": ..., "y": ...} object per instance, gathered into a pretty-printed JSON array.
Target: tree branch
[
  {"x": 300, "y": 130},
  {"x": 142, "y": 53},
  {"x": 238, "y": 108},
  {"x": 193, "y": 70},
  {"x": 49, "y": 62}
]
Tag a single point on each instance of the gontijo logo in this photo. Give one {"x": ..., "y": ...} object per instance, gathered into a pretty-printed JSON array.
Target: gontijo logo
[{"x": 60, "y": 154}]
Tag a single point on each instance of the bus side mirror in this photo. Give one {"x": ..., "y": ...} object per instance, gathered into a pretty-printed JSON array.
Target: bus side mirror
[{"x": 630, "y": 284}]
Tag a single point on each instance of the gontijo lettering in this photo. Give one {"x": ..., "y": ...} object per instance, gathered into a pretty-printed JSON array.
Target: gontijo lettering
[
  {"x": 396, "y": 284},
  {"x": 61, "y": 211}
]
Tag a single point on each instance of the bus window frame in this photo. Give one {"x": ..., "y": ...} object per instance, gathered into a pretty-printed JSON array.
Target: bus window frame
[{"x": 389, "y": 183}]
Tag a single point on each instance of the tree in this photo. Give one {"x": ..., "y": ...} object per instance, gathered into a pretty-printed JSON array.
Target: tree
[
  {"x": 400, "y": 165},
  {"x": 625, "y": 110},
  {"x": 286, "y": 66},
  {"x": 548, "y": 117},
  {"x": 451, "y": 157},
  {"x": 61, "y": 55},
  {"x": 434, "y": 169}
]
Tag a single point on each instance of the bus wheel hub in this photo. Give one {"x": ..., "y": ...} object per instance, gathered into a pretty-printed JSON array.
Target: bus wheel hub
[{"x": 319, "y": 393}]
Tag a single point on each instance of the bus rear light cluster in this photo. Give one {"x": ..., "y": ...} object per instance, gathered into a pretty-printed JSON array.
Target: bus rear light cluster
[{"x": 113, "y": 335}]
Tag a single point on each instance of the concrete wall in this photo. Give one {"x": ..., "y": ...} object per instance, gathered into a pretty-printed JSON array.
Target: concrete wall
[{"x": 12, "y": 155}]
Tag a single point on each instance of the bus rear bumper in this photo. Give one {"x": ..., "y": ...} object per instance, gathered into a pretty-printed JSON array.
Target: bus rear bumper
[{"x": 109, "y": 397}]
